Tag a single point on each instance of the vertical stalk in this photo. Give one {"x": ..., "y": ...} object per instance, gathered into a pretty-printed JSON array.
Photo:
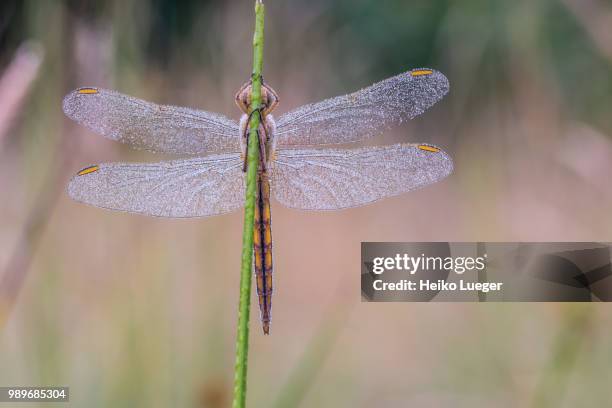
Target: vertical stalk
[{"x": 242, "y": 338}]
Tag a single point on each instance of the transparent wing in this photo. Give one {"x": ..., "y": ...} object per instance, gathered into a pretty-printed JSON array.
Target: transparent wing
[
  {"x": 334, "y": 179},
  {"x": 196, "y": 187},
  {"x": 145, "y": 125},
  {"x": 365, "y": 113}
]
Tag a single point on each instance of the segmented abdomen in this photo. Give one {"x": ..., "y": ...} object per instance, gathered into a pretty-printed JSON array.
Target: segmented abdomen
[{"x": 262, "y": 250}]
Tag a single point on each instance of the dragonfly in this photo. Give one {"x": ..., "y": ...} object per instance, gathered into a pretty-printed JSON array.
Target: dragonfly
[{"x": 296, "y": 162}]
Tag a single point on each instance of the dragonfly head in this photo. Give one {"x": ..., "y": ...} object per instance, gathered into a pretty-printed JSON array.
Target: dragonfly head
[{"x": 269, "y": 98}]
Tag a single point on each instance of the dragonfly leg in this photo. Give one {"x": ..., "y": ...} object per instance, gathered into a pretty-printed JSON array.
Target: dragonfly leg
[
  {"x": 243, "y": 96},
  {"x": 262, "y": 133},
  {"x": 246, "y": 136},
  {"x": 272, "y": 99}
]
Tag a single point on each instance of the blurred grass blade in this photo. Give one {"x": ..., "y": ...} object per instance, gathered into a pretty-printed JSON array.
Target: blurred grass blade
[
  {"x": 302, "y": 377},
  {"x": 15, "y": 83},
  {"x": 304, "y": 374},
  {"x": 553, "y": 384}
]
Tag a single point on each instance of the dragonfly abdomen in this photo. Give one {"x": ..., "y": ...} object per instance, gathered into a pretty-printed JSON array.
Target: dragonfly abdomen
[{"x": 262, "y": 248}]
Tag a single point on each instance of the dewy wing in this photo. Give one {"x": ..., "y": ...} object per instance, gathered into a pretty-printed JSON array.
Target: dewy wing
[{"x": 304, "y": 178}]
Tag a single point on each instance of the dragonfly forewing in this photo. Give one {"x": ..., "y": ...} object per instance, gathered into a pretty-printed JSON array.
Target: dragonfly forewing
[
  {"x": 196, "y": 187},
  {"x": 332, "y": 179},
  {"x": 146, "y": 125},
  {"x": 365, "y": 113}
]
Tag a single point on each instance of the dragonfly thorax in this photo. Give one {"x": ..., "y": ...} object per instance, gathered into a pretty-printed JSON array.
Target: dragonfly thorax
[
  {"x": 267, "y": 135},
  {"x": 269, "y": 101}
]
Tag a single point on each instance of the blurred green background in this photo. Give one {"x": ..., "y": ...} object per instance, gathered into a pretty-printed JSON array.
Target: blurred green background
[{"x": 132, "y": 311}]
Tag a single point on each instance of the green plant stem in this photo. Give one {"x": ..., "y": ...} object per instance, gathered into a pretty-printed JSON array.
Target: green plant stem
[{"x": 242, "y": 338}]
